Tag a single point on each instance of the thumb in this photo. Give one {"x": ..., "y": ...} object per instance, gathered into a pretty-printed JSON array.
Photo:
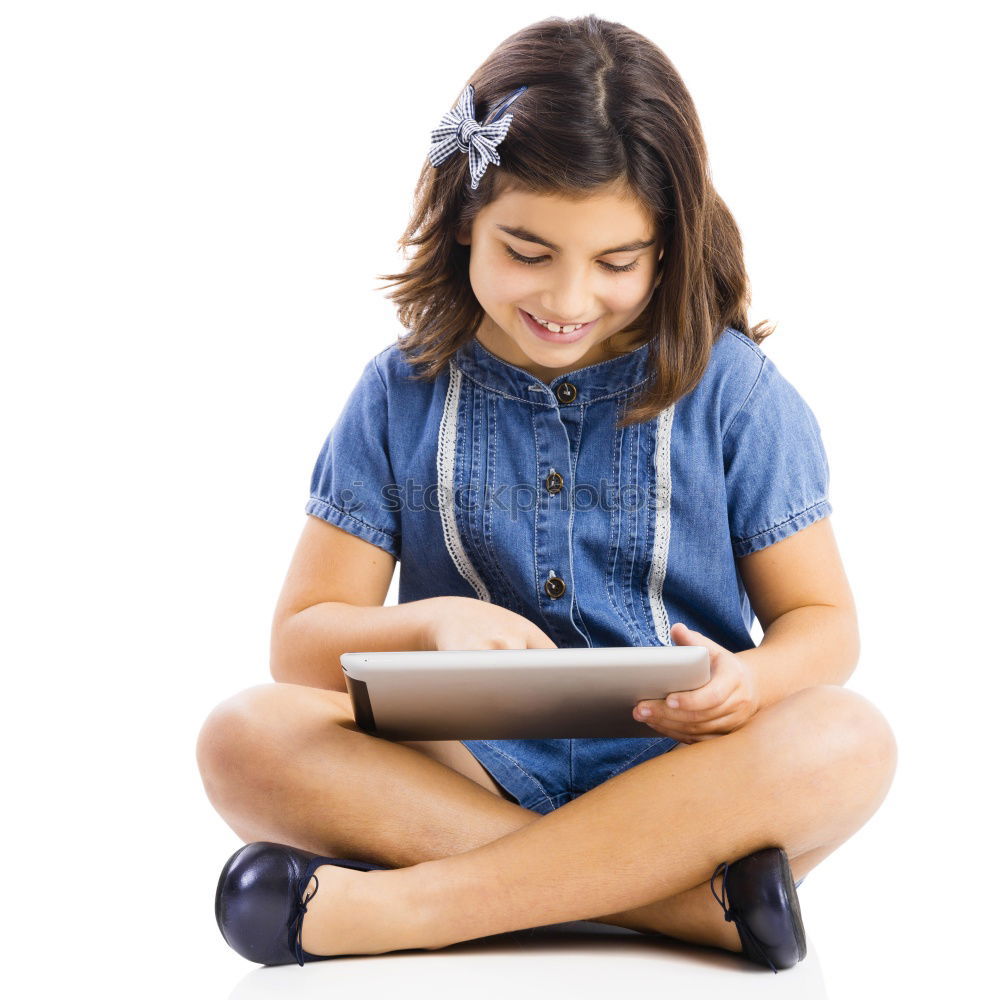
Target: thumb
[{"x": 684, "y": 636}]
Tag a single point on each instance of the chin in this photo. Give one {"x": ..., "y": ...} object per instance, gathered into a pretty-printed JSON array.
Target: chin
[{"x": 558, "y": 354}]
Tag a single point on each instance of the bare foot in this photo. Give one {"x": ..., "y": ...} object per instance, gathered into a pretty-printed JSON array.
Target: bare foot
[{"x": 358, "y": 913}]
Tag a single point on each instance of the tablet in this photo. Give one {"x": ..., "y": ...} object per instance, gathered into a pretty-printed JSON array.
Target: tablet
[{"x": 533, "y": 694}]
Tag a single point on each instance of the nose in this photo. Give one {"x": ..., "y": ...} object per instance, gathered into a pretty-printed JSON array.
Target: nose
[{"x": 569, "y": 299}]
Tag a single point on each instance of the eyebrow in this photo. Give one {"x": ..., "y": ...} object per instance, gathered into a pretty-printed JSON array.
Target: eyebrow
[{"x": 524, "y": 234}]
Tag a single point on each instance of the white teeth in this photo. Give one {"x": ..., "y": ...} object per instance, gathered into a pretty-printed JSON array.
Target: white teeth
[{"x": 554, "y": 327}]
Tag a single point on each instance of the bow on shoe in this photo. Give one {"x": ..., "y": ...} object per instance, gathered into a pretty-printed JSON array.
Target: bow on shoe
[
  {"x": 298, "y": 916},
  {"x": 734, "y": 915},
  {"x": 460, "y": 130}
]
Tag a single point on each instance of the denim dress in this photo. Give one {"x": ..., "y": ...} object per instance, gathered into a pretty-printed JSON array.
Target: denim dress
[{"x": 489, "y": 483}]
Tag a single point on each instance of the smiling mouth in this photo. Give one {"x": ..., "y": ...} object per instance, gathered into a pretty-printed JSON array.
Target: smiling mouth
[
  {"x": 567, "y": 334},
  {"x": 554, "y": 327}
]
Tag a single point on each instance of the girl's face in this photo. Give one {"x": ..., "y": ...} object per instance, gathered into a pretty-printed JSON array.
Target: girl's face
[{"x": 580, "y": 275}]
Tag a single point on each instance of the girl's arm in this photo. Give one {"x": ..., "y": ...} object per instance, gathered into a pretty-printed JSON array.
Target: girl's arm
[
  {"x": 799, "y": 592},
  {"x": 331, "y": 603}
]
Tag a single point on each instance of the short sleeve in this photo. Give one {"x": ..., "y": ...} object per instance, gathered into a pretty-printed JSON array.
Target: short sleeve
[
  {"x": 352, "y": 482},
  {"x": 777, "y": 474}
]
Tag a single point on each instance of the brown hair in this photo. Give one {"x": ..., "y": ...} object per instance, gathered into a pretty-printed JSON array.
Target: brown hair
[{"x": 604, "y": 108}]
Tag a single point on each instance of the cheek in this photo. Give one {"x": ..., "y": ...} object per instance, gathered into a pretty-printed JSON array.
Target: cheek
[
  {"x": 628, "y": 295},
  {"x": 500, "y": 284}
]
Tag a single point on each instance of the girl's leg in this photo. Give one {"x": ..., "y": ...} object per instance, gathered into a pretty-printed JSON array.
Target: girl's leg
[
  {"x": 803, "y": 774},
  {"x": 331, "y": 798},
  {"x": 286, "y": 763}
]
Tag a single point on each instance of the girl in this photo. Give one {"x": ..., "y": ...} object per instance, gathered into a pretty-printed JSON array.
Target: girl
[{"x": 578, "y": 442}]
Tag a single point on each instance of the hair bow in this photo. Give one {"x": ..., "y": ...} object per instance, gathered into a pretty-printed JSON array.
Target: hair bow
[{"x": 460, "y": 130}]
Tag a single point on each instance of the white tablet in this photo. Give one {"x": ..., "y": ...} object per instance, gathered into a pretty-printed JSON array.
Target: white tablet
[{"x": 533, "y": 694}]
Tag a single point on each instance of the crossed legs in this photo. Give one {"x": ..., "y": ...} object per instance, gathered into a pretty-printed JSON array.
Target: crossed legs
[{"x": 286, "y": 763}]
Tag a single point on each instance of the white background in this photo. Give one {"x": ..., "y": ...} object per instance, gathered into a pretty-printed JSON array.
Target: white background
[{"x": 195, "y": 201}]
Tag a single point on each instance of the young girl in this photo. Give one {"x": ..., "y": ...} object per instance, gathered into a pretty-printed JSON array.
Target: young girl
[{"x": 578, "y": 442}]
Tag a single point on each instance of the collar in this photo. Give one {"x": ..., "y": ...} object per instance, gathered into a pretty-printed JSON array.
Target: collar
[{"x": 606, "y": 378}]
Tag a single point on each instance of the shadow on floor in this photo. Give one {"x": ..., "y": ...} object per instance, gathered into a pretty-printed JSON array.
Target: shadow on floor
[{"x": 580, "y": 958}]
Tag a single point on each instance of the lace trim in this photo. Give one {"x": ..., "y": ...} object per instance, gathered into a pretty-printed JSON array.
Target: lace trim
[
  {"x": 661, "y": 536},
  {"x": 447, "y": 436}
]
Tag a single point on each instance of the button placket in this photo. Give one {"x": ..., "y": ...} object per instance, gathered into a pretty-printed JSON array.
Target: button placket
[
  {"x": 553, "y": 524},
  {"x": 556, "y": 427}
]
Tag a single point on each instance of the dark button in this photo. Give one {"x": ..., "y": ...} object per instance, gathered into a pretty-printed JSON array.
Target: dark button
[
  {"x": 566, "y": 392},
  {"x": 554, "y": 587},
  {"x": 553, "y": 482}
]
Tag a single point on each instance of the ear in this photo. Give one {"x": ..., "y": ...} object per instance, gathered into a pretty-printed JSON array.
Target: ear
[
  {"x": 463, "y": 236},
  {"x": 659, "y": 270}
]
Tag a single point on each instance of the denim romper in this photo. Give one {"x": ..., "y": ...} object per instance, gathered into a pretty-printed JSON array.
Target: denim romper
[{"x": 491, "y": 484}]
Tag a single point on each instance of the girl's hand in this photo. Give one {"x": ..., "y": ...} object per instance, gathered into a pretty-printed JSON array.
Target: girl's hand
[
  {"x": 724, "y": 703},
  {"x": 468, "y": 623}
]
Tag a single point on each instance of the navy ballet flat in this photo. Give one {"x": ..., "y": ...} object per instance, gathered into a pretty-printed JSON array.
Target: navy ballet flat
[
  {"x": 258, "y": 903},
  {"x": 761, "y": 899}
]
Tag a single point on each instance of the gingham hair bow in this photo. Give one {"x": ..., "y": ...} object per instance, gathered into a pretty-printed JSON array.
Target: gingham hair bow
[{"x": 460, "y": 130}]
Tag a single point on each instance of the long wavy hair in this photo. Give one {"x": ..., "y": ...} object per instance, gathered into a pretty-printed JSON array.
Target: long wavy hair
[{"x": 605, "y": 108}]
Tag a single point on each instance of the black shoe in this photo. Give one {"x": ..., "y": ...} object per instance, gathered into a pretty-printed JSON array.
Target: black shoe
[
  {"x": 764, "y": 905},
  {"x": 258, "y": 902}
]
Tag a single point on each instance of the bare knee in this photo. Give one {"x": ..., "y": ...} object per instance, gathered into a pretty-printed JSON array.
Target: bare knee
[
  {"x": 225, "y": 737},
  {"x": 842, "y": 728},
  {"x": 258, "y": 728}
]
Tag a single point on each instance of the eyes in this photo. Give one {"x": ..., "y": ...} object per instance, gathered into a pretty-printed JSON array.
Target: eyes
[{"x": 514, "y": 255}]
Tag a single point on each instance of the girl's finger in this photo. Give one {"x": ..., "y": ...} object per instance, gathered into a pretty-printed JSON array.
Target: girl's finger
[
  {"x": 695, "y": 732},
  {"x": 684, "y": 636},
  {"x": 660, "y": 708},
  {"x": 682, "y": 714},
  {"x": 701, "y": 722},
  {"x": 710, "y": 695},
  {"x": 685, "y": 718},
  {"x": 724, "y": 724}
]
